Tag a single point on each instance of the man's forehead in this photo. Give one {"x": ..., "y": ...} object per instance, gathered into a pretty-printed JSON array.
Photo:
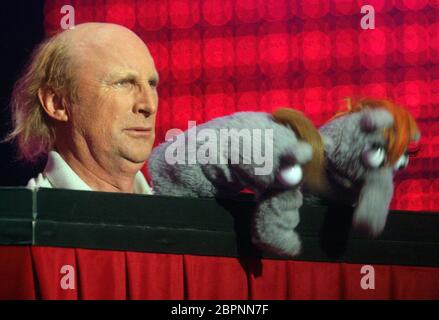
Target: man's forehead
[
  {"x": 95, "y": 33},
  {"x": 111, "y": 60},
  {"x": 106, "y": 47}
]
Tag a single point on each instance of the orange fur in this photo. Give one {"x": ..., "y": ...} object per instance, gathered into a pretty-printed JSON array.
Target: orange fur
[
  {"x": 314, "y": 175},
  {"x": 400, "y": 135}
]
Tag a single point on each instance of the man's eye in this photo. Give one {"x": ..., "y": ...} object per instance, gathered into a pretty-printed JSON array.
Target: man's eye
[
  {"x": 124, "y": 83},
  {"x": 153, "y": 83}
]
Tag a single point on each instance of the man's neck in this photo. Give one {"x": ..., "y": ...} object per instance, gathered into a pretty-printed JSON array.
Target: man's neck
[{"x": 98, "y": 178}]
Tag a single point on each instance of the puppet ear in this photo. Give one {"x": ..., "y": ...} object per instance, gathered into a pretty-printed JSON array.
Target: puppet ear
[{"x": 375, "y": 119}]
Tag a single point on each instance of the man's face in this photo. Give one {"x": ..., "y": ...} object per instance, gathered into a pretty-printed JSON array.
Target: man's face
[{"x": 117, "y": 100}]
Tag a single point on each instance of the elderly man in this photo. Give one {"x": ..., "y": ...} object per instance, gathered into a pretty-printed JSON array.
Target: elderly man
[{"x": 88, "y": 100}]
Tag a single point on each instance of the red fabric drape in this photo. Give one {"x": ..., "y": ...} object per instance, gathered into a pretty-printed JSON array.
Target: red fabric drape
[
  {"x": 34, "y": 272},
  {"x": 298, "y": 280},
  {"x": 47, "y": 263},
  {"x": 16, "y": 273},
  {"x": 214, "y": 278},
  {"x": 161, "y": 273}
]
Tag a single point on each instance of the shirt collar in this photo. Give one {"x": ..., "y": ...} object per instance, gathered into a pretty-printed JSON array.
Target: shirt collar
[{"x": 60, "y": 175}]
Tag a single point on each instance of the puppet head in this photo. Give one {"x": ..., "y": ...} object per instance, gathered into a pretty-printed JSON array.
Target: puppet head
[{"x": 364, "y": 147}]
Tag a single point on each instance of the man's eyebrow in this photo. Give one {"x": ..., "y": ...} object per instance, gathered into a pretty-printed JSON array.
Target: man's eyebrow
[
  {"x": 122, "y": 74},
  {"x": 129, "y": 75}
]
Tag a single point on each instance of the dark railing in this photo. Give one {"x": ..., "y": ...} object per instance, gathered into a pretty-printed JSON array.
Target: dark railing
[{"x": 211, "y": 227}]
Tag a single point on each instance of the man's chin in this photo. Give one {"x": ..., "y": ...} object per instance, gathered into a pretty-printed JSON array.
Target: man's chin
[
  {"x": 135, "y": 153},
  {"x": 136, "y": 158}
]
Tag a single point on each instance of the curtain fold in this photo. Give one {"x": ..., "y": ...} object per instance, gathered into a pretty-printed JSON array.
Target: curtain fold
[
  {"x": 16, "y": 273},
  {"x": 37, "y": 273},
  {"x": 101, "y": 274},
  {"x": 48, "y": 263},
  {"x": 214, "y": 278},
  {"x": 155, "y": 276},
  {"x": 383, "y": 279}
]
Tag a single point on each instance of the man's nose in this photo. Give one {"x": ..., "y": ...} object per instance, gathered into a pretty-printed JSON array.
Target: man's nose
[{"x": 146, "y": 100}]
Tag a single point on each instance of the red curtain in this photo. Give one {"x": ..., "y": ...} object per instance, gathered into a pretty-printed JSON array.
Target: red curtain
[{"x": 35, "y": 272}]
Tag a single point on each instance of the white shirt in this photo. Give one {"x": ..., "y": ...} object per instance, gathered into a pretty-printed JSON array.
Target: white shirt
[{"x": 58, "y": 174}]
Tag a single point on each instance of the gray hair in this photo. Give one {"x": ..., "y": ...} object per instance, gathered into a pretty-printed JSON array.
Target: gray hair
[{"x": 50, "y": 67}]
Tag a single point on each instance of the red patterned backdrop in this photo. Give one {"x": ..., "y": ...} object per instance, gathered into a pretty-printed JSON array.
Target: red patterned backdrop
[{"x": 216, "y": 57}]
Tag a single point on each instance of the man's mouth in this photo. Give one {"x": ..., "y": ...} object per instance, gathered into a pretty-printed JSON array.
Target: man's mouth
[{"x": 139, "y": 131}]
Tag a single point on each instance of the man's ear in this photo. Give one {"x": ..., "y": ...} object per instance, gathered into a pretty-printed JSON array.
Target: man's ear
[
  {"x": 375, "y": 119},
  {"x": 53, "y": 104}
]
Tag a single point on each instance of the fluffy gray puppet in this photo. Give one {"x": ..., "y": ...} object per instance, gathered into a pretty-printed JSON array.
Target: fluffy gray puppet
[{"x": 352, "y": 159}]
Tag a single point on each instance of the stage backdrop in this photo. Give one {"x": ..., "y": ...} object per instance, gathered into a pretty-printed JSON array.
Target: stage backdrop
[{"x": 217, "y": 57}]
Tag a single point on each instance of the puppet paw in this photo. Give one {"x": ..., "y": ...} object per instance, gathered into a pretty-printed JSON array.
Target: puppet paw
[
  {"x": 283, "y": 243},
  {"x": 275, "y": 233},
  {"x": 275, "y": 220},
  {"x": 373, "y": 205},
  {"x": 370, "y": 220}
]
